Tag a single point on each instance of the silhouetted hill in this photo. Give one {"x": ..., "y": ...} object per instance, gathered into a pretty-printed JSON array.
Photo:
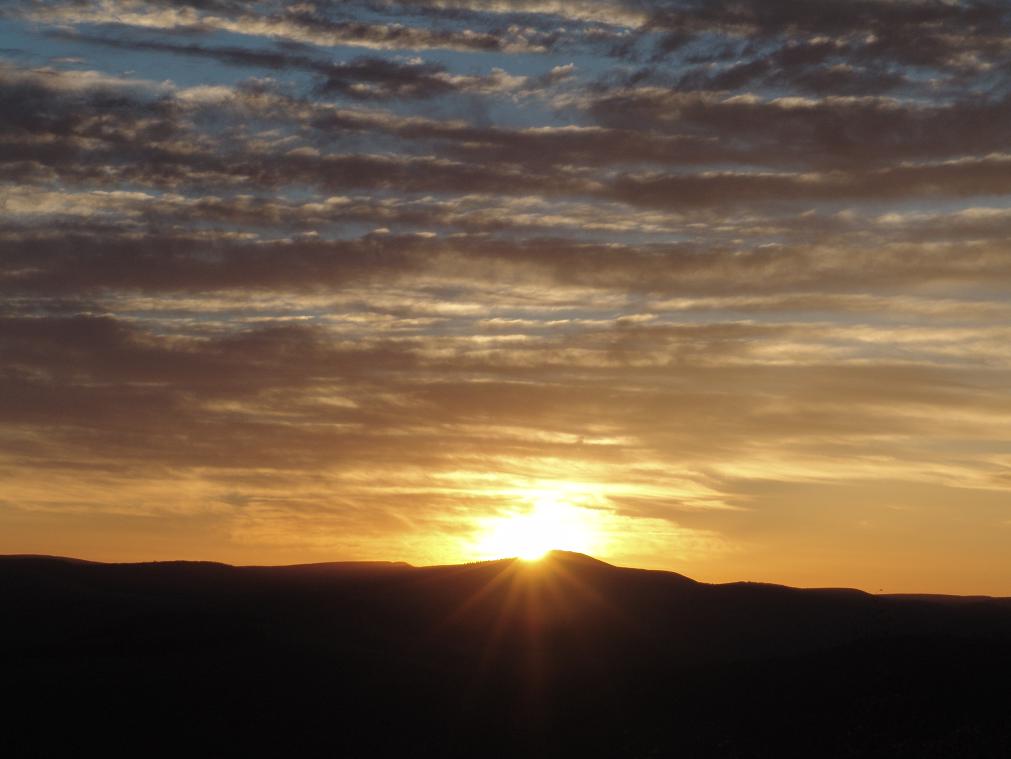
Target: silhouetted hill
[{"x": 566, "y": 656}]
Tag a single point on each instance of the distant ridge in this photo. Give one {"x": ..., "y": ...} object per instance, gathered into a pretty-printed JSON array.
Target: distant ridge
[
  {"x": 943, "y": 597},
  {"x": 555, "y": 556},
  {"x": 327, "y": 565},
  {"x": 558, "y": 554},
  {"x": 566, "y": 656},
  {"x": 45, "y": 557}
]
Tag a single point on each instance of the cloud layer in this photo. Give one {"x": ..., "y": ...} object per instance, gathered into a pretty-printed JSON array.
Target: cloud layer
[{"x": 288, "y": 280}]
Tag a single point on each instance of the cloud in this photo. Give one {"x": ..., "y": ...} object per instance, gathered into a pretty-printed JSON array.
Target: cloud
[
  {"x": 360, "y": 78},
  {"x": 296, "y": 22},
  {"x": 154, "y": 139},
  {"x": 325, "y": 277},
  {"x": 832, "y": 131}
]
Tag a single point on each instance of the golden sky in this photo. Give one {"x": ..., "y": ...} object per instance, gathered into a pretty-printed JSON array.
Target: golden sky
[{"x": 721, "y": 288}]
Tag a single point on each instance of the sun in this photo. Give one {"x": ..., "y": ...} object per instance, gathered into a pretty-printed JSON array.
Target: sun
[{"x": 551, "y": 523}]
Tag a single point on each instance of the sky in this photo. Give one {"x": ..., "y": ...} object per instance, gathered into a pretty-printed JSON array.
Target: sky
[{"x": 717, "y": 287}]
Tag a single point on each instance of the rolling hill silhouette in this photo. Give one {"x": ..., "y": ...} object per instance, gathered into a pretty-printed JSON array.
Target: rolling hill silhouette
[{"x": 568, "y": 656}]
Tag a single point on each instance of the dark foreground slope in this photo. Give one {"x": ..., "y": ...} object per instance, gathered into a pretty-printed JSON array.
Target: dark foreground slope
[{"x": 566, "y": 657}]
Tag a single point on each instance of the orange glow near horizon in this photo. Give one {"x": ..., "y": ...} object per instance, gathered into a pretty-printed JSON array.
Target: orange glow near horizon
[{"x": 552, "y": 522}]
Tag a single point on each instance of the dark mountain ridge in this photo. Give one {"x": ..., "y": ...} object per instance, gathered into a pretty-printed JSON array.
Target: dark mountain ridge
[{"x": 568, "y": 655}]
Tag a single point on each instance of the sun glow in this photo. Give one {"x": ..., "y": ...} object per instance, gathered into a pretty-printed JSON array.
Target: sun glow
[{"x": 551, "y": 523}]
